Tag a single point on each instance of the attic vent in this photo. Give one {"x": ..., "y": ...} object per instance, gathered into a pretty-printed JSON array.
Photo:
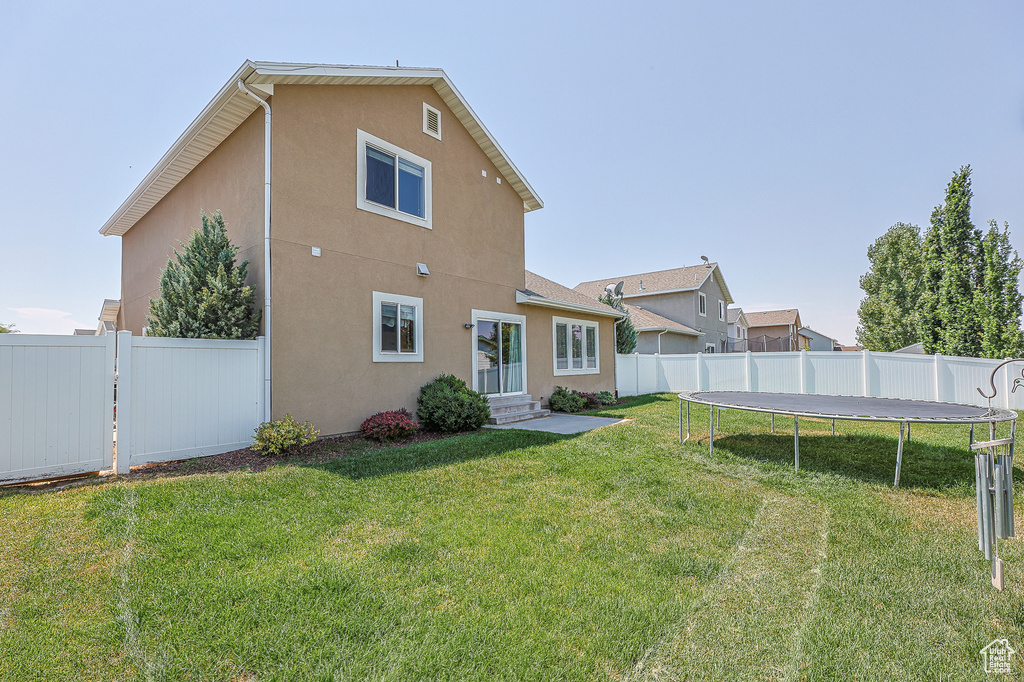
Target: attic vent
[{"x": 431, "y": 121}]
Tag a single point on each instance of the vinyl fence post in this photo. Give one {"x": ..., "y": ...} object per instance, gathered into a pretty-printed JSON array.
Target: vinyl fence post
[
  {"x": 939, "y": 370},
  {"x": 750, "y": 372},
  {"x": 123, "y": 402},
  {"x": 803, "y": 370},
  {"x": 700, "y": 373},
  {"x": 865, "y": 356}
]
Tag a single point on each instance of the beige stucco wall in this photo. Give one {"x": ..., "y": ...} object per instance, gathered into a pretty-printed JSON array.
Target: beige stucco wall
[
  {"x": 540, "y": 369},
  {"x": 229, "y": 179},
  {"x": 322, "y": 320}
]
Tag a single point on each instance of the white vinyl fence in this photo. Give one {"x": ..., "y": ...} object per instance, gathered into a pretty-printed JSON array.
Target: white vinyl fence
[
  {"x": 56, "y": 405},
  {"x": 182, "y": 398},
  {"x": 175, "y": 399},
  {"x": 884, "y": 375}
]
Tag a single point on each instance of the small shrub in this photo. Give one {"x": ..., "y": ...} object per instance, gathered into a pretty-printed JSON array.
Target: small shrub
[
  {"x": 606, "y": 397},
  {"x": 448, "y": 405},
  {"x": 564, "y": 400},
  {"x": 283, "y": 436},
  {"x": 390, "y": 425}
]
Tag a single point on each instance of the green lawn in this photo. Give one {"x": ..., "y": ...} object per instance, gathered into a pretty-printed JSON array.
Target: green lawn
[{"x": 517, "y": 555}]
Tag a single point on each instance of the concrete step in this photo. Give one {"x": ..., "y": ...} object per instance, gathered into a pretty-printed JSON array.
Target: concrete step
[
  {"x": 518, "y": 416},
  {"x": 499, "y": 400},
  {"x": 513, "y": 408}
]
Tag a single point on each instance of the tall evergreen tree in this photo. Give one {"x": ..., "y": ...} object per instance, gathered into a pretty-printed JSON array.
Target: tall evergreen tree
[
  {"x": 929, "y": 321},
  {"x": 998, "y": 299},
  {"x": 959, "y": 331},
  {"x": 204, "y": 295},
  {"x": 625, "y": 332},
  {"x": 888, "y": 312}
]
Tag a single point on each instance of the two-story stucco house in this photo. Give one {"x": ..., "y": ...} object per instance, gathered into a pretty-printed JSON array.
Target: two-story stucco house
[
  {"x": 384, "y": 228},
  {"x": 696, "y": 298}
]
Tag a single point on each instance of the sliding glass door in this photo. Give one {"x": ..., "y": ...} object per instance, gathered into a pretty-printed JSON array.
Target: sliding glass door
[{"x": 499, "y": 356}]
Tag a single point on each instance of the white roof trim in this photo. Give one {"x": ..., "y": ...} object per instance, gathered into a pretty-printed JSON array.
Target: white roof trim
[
  {"x": 230, "y": 107},
  {"x": 526, "y": 299}
]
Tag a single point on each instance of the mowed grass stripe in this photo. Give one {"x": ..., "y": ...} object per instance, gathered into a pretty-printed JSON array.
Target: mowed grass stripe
[{"x": 750, "y": 623}]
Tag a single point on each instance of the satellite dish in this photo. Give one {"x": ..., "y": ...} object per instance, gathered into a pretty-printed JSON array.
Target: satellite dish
[
  {"x": 609, "y": 289},
  {"x": 618, "y": 289},
  {"x": 706, "y": 262}
]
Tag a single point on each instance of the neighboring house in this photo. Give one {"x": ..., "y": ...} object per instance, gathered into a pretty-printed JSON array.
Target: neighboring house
[
  {"x": 775, "y": 330},
  {"x": 389, "y": 225},
  {"x": 912, "y": 349},
  {"x": 818, "y": 341},
  {"x": 108, "y": 320},
  {"x": 850, "y": 349},
  {"x": 657, "y": 334},
  {"x": 696, "y": 297},
  {"x": 738, "y": 326}
]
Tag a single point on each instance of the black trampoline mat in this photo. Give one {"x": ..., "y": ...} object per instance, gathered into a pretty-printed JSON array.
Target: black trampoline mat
[{"x": 852, "y": 407}]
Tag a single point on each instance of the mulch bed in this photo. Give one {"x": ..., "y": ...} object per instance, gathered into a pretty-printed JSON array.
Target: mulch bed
[{"x": 322, "y": 450}]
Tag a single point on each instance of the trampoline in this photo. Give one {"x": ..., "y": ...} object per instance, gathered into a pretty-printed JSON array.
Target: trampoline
[{"x": 851, "y": 408}]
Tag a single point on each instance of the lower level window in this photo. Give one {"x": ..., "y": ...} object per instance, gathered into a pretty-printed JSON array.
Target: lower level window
[
  {"x": 709, "y": 348},
  {"x": 575, "y": 346},
  {"x": 397, "y": 328}
]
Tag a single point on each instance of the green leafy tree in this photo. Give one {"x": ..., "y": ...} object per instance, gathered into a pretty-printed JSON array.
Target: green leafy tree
[
  {"x": 625, "y": 332},
  {"x": 203, "y": 295},
  {"x": 7, "y": 328},
  {"x": 998, "y": 300},
  {"x": 888, "y": 312}
]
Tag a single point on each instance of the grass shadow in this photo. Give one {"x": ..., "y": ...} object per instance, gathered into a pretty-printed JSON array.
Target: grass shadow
[
  {"x": 438, "y": 453},
  {"x": 861, "y": 457}
]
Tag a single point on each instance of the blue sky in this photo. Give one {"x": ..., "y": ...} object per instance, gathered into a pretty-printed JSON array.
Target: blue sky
[{"x": 779, "y": 139}]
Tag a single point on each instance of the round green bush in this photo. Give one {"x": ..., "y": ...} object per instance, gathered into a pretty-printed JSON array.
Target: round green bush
[
  {"x": 564, "y": 400},
  {"x": 448, "y": 405},
  {"x": 283, "y": 436}
]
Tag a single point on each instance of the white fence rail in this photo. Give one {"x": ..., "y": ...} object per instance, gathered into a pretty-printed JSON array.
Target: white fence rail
[
  {"x": 182, "y": 398},
  {"x": 883, "y": 375},
  {"x": 56, "y": 405}
]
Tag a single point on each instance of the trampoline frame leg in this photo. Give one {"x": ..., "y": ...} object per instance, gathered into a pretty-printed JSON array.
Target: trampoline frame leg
[
  {"x": 687, "y": 420},
  {"x": 796, "y": 443},
  {"x": 833, "y": 427},
  {"x": 773, "y": 422},
  {"x": 899, "y": 458},
  {"x": 711, "y": 433}
]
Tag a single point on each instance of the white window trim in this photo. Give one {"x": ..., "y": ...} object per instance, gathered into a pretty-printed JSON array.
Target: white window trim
[
  {"x": 500, "y": 317},
  {"x": 555, "y": 321},
  {"x": 702, "y": 304},
  {"x": 721, "y": 310},
  {"x": 378, "y": 355},
  {"x": 427, "y": 130},
  {"x": 709, "y": 348},
  {"x": 362, "y": 139}
]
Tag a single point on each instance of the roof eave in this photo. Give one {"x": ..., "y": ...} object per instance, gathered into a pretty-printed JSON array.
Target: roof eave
[
  {"x": 526, "y": 299},
  {"x": 670, "y": 330}
]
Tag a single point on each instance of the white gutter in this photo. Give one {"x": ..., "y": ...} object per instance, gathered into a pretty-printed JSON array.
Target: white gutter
[
  {"x": 526, "y": 299},
  {"x": 266, "y": 249}
]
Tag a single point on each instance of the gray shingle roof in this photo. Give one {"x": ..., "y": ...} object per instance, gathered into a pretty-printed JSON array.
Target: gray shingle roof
[
  {"x": 553, "y": 291},
  {"x": 644, "y": 319},
  {"x": 677, "y": 279}
]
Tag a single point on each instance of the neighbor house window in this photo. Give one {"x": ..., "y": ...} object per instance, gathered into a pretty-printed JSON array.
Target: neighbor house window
[
  {"x": 721, "y": 310},
  {"x": 575, "y": 346},
  {"x": 702, "y": 304},
  {"x": 397, "y": 328},
  {"x": 392, "y": 182},
  {"x": 709, "y": 348}
]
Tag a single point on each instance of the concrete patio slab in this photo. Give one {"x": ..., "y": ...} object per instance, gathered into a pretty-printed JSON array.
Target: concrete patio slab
[{"x": 565, "y": 424}]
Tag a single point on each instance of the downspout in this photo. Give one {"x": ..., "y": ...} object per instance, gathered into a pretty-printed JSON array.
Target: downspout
[
  {"x": 266, "y": 249},
  {"x": 659, "y": 340}
]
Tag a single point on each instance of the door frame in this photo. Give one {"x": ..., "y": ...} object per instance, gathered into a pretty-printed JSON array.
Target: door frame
[{"x": 499, "y": 318}]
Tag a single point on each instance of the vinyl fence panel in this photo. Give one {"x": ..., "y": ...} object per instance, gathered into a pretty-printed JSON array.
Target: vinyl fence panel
[
  {"x": 56, "y": 405},
  {"x": 884, "y": 375},
  {"x": 183, "y": 398}
]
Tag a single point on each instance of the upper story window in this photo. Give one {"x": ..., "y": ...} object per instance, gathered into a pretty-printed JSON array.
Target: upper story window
[
  {"x": 576, "y": 347},
  {"x": 392, "y": 182},
  {"x": 397, "y": 328},
  {"x": 721, "y": 310},
  {"x": 702, "y": 304}
]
